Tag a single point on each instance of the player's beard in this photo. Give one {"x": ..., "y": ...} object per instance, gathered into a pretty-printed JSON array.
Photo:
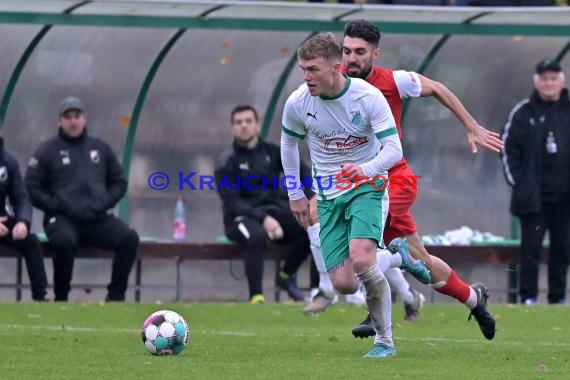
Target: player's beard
[{"x": 363, "y": 72}]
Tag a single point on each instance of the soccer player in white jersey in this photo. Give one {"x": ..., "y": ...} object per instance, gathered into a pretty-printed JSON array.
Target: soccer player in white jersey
[
  {"x": 360, "y": 52},
  {"x": 351, "y": 135}
]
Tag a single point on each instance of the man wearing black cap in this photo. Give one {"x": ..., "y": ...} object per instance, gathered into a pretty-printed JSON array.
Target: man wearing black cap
[
  {"x": 75, "y": 179},
  {"x": 536, "y": 162}
]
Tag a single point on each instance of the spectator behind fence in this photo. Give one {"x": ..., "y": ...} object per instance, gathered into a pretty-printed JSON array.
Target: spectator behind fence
[
  {"x": 536, "y": 162},
  {"x": 14, "y": 229},
  {"x": 75, "y": 179},
  {"x": 255, "y": 209}
]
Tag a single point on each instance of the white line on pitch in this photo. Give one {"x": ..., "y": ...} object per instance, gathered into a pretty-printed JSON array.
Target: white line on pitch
[{"x": 195, "y": 332}]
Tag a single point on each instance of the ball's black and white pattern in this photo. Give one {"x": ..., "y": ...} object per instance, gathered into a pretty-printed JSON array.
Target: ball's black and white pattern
[{"x": 165, "y": 332}]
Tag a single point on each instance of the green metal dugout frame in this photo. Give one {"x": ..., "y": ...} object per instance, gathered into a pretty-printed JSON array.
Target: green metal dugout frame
[
  {"x": 432, "y": 53},
  {"x": 267, "y": 16},
  {"x": 278, "y": 24},
  {"x": 22, "y": 62},
  {"x": 131, "y": 133},
  {"x": 283, "y": 79}
]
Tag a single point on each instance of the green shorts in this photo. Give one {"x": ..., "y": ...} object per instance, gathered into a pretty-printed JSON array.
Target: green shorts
[{"x": 356, "y": 214}]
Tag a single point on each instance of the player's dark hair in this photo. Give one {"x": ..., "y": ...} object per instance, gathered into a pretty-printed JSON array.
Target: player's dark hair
[
  {"x": 363, "y": 29},
  {"x": 241, "y": 108}
]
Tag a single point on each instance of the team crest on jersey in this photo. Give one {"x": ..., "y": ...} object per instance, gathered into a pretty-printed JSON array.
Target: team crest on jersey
[
  {"x": 95, "y": 158},
  {"x": 3, "y": 174},
  {"x": 356, "y": 118}
]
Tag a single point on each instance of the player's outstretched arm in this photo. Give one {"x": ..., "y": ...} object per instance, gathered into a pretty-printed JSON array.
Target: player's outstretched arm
[{"x": 476, "y": 134}]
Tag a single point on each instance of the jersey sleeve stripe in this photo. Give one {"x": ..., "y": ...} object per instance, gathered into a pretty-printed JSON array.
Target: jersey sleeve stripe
[
  {"x": 386, "y": 133},
  {"x": 293, "y": 134}
]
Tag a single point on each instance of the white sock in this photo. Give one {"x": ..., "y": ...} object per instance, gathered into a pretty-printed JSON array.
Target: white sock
[
  {"x": 387, "y": 260},
  {"x": 379, "y": 302},
  {"x": 472, "y": 299},
  {"x": 399, "y": 283},
  {"x": 324, "y": 278}
]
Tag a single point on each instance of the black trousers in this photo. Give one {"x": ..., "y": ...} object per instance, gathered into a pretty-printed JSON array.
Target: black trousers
[
  {"x": 31, "y": 250},
  {"x": 553, "y": 217},
  {"x": 249, "y": 233},
  {"x": 108, "y": 233}
]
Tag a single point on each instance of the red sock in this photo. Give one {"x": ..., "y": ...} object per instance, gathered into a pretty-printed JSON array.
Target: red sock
[{"x": 456, "y": 288}]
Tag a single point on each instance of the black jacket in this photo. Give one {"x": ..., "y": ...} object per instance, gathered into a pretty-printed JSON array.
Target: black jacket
[
  {"x": 262, "y": 163},
  {"x": 524, "y": 138},
  {"x": 79, "y": 178},
  {"x": 12, "y": 186}
]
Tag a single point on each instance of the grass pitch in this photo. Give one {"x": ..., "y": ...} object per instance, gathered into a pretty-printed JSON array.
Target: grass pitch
[{"x": 275, "y": 341}]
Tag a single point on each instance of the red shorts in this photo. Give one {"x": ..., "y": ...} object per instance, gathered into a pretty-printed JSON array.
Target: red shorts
[{"x": 403, "y": 190}]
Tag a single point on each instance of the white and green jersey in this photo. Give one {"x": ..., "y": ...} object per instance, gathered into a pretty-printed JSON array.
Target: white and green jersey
[{"x": 340, "y": 130}]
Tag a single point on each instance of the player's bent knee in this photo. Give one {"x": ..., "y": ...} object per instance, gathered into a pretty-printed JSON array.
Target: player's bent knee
[
  {"x": 344, "y": 283},
  {"x": 346, "y": 288}
]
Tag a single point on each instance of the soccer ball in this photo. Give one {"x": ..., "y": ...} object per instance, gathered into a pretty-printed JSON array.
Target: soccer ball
[{"x": 165, "y": 332}]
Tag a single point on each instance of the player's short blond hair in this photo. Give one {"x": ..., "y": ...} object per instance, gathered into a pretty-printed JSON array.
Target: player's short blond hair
[{"x": 323, "y": 45}]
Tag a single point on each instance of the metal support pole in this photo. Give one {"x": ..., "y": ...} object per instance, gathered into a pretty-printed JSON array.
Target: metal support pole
[
  {"x": 19, "y": 278},
  {"x": 138, "y": 281},
  {"x": 178, "y": 279}
]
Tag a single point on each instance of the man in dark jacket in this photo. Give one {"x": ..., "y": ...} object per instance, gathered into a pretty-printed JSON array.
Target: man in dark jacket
[
  {"x": 536, "y": 161},
  {"x": 74, "y": 179},
  {"x": 14, "y": 229},
  {"x": 255, "y": 205}
]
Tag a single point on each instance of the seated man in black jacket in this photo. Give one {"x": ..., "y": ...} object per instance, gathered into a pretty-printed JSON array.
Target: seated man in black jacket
[
  {"x": 74, "y": 179},
  {"x": 14, "y": 229},
  {"x": 256, "y": 207}
]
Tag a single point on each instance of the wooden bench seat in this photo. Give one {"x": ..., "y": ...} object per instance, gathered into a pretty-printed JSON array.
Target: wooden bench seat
[
  {"x": 152, "y": 250},
  {"x": 179, "y": 252}
]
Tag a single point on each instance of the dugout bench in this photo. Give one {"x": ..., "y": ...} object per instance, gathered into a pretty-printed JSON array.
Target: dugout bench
[
  {"x": 499, "y": 253},
  {"x": 149, "y": 249}
]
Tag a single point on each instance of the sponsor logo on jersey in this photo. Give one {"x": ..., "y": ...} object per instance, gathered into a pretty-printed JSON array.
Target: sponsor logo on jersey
[
  {"x": 329, "y": 135},
  {"x": 350, "y": 142}
]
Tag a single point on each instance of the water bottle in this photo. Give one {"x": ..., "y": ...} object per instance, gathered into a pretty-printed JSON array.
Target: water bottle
[{"x": 179, "y": 225}]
